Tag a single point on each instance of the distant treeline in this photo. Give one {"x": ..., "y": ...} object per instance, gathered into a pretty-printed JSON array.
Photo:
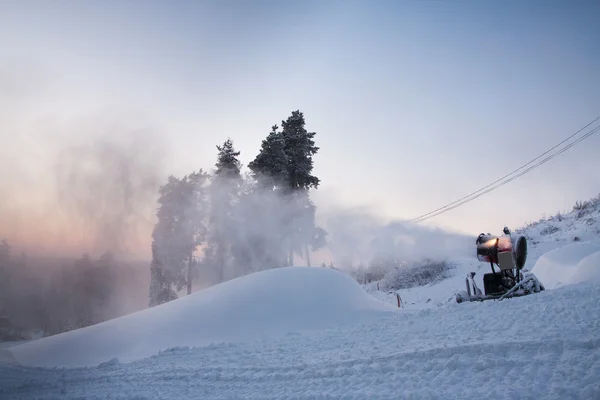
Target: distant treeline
[{"x": 47, "y": 296}]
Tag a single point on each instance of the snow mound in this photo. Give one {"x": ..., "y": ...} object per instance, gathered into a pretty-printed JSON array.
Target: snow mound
[
  {"x": 567, "y": 265},
  {"x": 543, "y": 346},
  {"x": 252, "y": 307}
]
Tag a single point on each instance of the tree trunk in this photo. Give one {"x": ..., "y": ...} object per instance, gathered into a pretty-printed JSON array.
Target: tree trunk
[{"x": 307, "y": 254}]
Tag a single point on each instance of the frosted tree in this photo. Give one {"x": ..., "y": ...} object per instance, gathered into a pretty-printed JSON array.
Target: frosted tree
[
  {"x": 270, "y": 167},
  {"x": 223, "y": 194},
  {"x": 299, "y": 146},
  {"x": 179, "y": 230},
  {"x": 284, "y": 165},
  {"x": 307, "y": 236},
  {"x": 259, "y": 241},
  {"x": 161, "y": 290}
]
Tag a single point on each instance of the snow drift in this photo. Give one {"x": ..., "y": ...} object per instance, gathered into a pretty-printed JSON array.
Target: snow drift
[
  {"x": 544, "y": 346},
  {"x": 256, "y": 306},
  {"x": 567, "y": 265}
]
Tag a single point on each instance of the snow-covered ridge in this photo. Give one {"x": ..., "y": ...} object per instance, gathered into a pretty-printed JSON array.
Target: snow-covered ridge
[
  {"x": 262, "y": 305},
  {"x": 581, "y": 225},
  {"x": 571, "y": 264},
  {"x": 303, "y": 332},
  {"x": 542, "y": 346}
]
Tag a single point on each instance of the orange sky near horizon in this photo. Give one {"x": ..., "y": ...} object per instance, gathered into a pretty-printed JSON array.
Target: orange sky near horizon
[{"x": 64, "y": 237}]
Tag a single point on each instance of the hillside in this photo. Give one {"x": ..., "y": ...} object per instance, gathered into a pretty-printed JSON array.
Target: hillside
[
  {"x": 461, "y": 351},
  {"x": 437, "y": 289},
  {"x": 582, "y": 223},
  {"x": 304, "y": 332},
  {"x": 262, "y": 305}
]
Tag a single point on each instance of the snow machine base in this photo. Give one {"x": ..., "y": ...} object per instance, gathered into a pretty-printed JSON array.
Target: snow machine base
[
  {"x": 510, "y": 279},
  {"x": 527, "y": 285}
]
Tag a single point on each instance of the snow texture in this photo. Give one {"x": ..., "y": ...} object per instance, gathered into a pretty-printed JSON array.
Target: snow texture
[
  {"x": 263, "y": 304},
  {"x": 540, "y": 346},
  {"x": 580, "y": 225},
  {"x": 313, "y": 333},
  {"x": 575, "y": 263}
]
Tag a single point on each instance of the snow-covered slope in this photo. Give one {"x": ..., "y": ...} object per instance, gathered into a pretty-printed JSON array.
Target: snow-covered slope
[
  {"x": 581, "y": 224},
  {"x": 545, "y": 346},
  {"x": 256, "y": 306},
  {"x": 564, "y": 245},
  {"x": 570, "y": 264},
  {"x": 314, "y": 333}
]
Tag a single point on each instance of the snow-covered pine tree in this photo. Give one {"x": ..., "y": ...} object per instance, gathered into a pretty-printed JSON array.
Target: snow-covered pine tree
[
  {"x": 270, "y": 211},
  {"x": 161, "y": 290},
  {"x": 270, "y": 167},
  {"x": 307, "y": 235},
  {"x": 284, "y": 165},
  {"x": 300, "y": 148},
  {"x": 179, "y": 230},
  {"x": 196, "y": 214},
  {"x": 224, "y": 193},
  {"x": 259, "y": 244},
  {"x": 228, "y": 165}
]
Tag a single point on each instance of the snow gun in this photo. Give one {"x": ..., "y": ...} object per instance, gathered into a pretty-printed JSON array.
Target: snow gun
[{"x": 506, "y": 255}]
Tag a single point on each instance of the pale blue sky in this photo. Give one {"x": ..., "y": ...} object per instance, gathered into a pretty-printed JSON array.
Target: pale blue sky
[{"x": 415, "y": 103}]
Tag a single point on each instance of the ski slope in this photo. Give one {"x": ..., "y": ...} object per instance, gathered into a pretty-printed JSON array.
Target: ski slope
[
  {"x": 257, "y": 306},
  {"x": 543, "y": 346},
  {"x": 562, "y": 249},
  {"x": 315, "y": 333}
]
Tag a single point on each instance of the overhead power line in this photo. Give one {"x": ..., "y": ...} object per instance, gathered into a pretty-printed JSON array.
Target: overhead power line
[{"x": 503, "y": 181}]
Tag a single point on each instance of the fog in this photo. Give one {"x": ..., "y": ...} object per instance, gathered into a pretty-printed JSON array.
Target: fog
[
  {"x": 78, "y": 202},
  {"x": 357, "y": 236},
  {"x": 93, "y": 193},
  {"x": 100, "y": 198},
  {"x": 106, "y": 188},
  {"x": 72, "y": 185},
  {"x": 362, "y": 241},
  {"x": 78, "y": 181}
]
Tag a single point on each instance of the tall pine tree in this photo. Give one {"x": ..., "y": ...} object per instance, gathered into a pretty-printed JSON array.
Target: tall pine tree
[
  {"x": 180, "y": 229},
  {"x": 259, "y": 244},
  {"x": 299, "y": 148},
  {"x": 270, "y": 167},
  {"x": 224, "y": 192},
  {"x": 284, "y": 164},
  {"x": 161, "y": 285}
]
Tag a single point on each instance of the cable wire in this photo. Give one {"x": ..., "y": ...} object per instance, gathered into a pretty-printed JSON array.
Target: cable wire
[
  {"x": 474, "y": 195},
  {"x": 512, "y": 178}
]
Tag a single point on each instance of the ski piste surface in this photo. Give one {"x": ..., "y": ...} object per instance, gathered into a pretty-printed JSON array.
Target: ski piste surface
[{"x": 545, "y": 345}]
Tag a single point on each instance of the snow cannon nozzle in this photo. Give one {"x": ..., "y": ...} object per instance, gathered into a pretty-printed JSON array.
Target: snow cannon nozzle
[{"x": 496, "y": 249}]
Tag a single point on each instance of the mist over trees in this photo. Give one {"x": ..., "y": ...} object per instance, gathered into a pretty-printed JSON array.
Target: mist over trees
[
  {"x": 211, "y": 226},
  {"x": 224, "y": 224},
  {"x": 40, "y": 297},
  {"x": 177, "y": 233}
]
